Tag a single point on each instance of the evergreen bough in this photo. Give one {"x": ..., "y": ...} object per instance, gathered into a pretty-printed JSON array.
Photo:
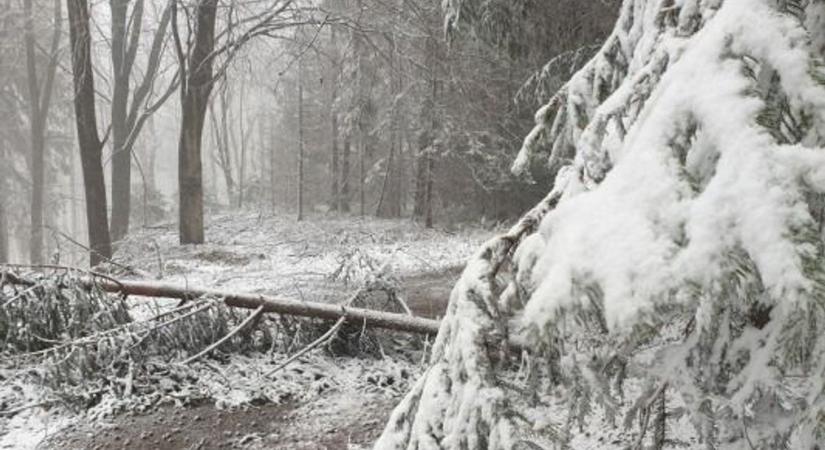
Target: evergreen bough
[{"x": 675, "y": 274}]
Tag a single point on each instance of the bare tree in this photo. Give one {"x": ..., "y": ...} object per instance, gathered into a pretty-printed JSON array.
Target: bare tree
[
  {"x": 196, "y": 64},
  {"x": 196, "y": 85},
  {"x": 128, "y": 118},
  {"x": 91, "y": 147},
  {"x": 220, "y": 134},
  {"x": 39, "y": 102},
  {"x": 300, "y": 187}
]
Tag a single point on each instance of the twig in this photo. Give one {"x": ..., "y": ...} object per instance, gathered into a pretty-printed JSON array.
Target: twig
[
  {"x": 321, "y": 340},
  {"x": 68, "y": 269},
  {"x": 240, "y": 326},
  {"x": 403, "y": 304},
  {"x": 93, "y": 339},
  {"x": 134, "y": 270},
  {"x": 325, "y": 337},
  {"x": 13, "y": 412},
  {"x": 19, "y": 295},
  {"x": 176, "y": 319}
]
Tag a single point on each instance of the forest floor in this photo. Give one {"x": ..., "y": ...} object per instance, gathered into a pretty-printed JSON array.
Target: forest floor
[{"x": 326, "y": 401}]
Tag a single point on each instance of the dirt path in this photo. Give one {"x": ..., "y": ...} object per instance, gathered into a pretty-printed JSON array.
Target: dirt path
[
  {"x": 338, "y": 420},
  {"x": 330, "y": 423},
  {"x": 427, "y": 294}
]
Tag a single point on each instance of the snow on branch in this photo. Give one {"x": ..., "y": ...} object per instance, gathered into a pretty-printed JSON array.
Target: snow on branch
[{"x": 683, "y": 250}]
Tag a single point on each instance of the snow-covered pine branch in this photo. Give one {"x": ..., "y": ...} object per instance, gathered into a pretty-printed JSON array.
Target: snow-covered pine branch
[{"x": 685, "y": 251}]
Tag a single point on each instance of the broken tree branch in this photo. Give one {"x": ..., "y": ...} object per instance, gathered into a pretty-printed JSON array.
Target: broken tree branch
[
  {"x": 370, "y": 318},
  {"x": 217, "y": 344}
]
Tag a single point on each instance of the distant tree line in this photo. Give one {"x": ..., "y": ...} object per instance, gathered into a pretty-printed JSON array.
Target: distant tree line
[{"x": 357, "y": 107}]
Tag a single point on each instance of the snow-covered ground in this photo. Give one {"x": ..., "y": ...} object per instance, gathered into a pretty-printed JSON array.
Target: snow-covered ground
[{"x": 322, "y": 259}]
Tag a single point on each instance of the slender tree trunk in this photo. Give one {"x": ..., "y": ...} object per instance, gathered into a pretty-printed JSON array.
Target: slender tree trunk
[
  {"x": 389, "y": 200},
  {"x": 334, "y": 194},
  {"x": 220, "y": 132},
  {"x": 272, "y": 165},
  {"x": 343, "y": 197},
  {"x": 75, "y": 227},
  {"x": 428, "y": 205},
  {"x": 362, "y": 150},
  {"x": 127, "y": 119},
  {"x": 39, "y": 99},
  {"x": 384, "y": 208},
  {"x": 300, "y": 142},
  {"x": 195, "y": 97},
  {"x": 242, "y": 158},
  {"x": 4, "y": 223},
  {"x": 91, "y": 148},
  {"x": 35, "y": 139},
  {"x": 121, "y": 181},
  {"x": 151, "y": 147},
  {"x": 333, "y": 118}
]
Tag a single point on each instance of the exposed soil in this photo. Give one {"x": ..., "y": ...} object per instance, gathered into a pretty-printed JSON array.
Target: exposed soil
[
  {"x": 427, "y": 294},
  {"x": 334, "y": 423}
]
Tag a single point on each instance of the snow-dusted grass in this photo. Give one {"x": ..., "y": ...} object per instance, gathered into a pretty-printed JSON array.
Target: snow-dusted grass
[
  {"x": 322, "y": 259},
  {"x": 277, "y": 255}
]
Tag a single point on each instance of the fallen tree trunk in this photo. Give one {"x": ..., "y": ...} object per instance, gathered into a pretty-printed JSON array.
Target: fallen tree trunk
[{"x": 370, "y": 318}]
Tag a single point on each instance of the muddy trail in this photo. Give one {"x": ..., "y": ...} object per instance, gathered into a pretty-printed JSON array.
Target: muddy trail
[{"x": 333, "y": 421}]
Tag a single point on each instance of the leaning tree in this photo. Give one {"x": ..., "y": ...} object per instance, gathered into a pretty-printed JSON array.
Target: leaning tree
[{"x": 674, "y": 274}]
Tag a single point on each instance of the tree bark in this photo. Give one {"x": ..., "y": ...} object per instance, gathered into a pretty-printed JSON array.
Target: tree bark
[
  {"x": 332, "y": 75},
  {"x": 389, "y": 203},
  {"x": 300, "y": 142},
  {"x": 343, "y": 197},
  {"x": 127, "y": 119},
  {"x": 121, "y": 156},
  {"x": 329, "y": 311},
  {"x": 335, "y": 163},
  {"x": 4, "y": 228},
  {"x": 362, "y": 156},
  {"x": 87, "y": 134},
  {"x": 220, "y": 132},
  {"x": 39, "y": 103},
  {"x": 273, "y": 185},
  {"x": 194, "y": 100}
]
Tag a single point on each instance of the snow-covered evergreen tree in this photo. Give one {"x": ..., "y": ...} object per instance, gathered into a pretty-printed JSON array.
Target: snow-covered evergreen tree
[{"x": 675, "y": 273}]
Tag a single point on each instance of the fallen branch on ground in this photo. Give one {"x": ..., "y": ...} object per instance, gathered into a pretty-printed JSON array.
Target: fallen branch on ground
[
  {"x": 370, "y": 318},
  {"x": 217, "y": 344}
]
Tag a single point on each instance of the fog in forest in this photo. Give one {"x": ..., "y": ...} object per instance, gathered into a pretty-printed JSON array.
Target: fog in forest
[
  {"x": 412, "y": 224},
  {"x": 354, "y": 108}
]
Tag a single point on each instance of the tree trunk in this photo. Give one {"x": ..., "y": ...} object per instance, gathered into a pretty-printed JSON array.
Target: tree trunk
[
  {"x": 362, "y": 150},
  {"x": 195, "y": 97},
  {"x": 242, "y": 147},
  {"x": 333, "y": 118},
  {"x": 121, "y": 181},
  {"x": 4, "y": 228},
  {"x": 127, "y": 119},
  {"x": 87, "y": 134},
  {"x": 329, "y": 311},
  {"x": 343, "y": 197},
  {"x": 300, "y": 142},
  {"x": 334, "y": 187},
  {"x": 39, "y": 99},
  {"x": 220, "y": 131},
  {"x": 389, "y": 204},
  {"x": 272, "y": 165}
]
